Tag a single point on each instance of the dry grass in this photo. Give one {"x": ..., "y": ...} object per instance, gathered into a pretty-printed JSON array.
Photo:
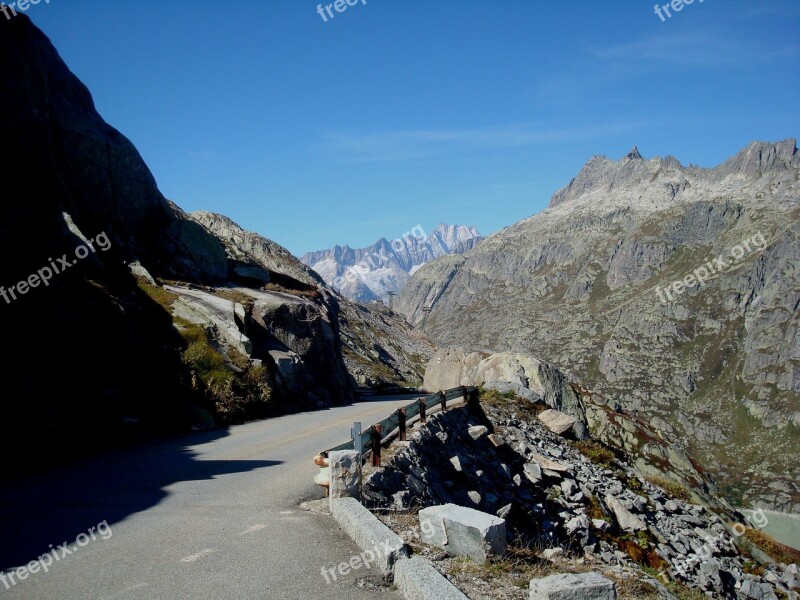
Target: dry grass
[
  {"x": 634, "y": 587},
  {"x": 777, "y": 551},
  {"x": 310, "y": 293},
  {"x": 673, "y": 489},
  {"x": 235, "y": 296},
  {"x": 596, "y": 452}
]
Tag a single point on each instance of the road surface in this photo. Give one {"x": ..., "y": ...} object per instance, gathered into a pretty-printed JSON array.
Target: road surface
[{"x": 211, "y": 515}]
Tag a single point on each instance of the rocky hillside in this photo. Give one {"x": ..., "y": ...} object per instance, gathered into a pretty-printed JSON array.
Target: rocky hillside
[
  {"x": 368, "y": 274},
  {"x": 672, "y": 289},
  {"x": 378, "y": 347},
  {"x": 573, "y": 506},
  {"x": 125, "y": 316}
]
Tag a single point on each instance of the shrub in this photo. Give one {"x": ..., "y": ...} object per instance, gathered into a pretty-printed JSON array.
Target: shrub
[{"x": 596, "y": 452}]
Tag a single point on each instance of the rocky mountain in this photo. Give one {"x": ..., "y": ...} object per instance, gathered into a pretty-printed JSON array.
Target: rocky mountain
[
  {"x": 368, "y": 274},
  {"x": 671, "y": 289},
  {"x": 125, "y": 316}
]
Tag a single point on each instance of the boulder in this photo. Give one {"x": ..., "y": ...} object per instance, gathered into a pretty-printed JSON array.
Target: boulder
[
  {"x": 463, "y": 531},
  {"x": 477, "y": 432},
  {"x": 626, "y": 519},
  {"x": 546, "y": 463},
  {"x": 557, "y": 421},
  {"x": 533, "y": 472},
  {"x": 569, "y": 586}
]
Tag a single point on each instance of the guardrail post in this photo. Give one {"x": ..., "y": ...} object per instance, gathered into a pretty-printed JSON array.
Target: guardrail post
[
  {"x": 401, "y": 417},
  {"x": 423, "y": 409},
  {"x": 355, "y": 434},
  {"x": 443, "y": 396},
  {"x": 470, "y": 398},
  {"x": 376, "y": 445}
]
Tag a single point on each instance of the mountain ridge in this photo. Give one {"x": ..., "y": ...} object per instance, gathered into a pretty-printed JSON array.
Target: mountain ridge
[{"x": 578, "y": 283}]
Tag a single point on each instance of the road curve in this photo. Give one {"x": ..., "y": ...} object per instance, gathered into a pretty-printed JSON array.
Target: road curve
[{"x": 211, "y": 515}]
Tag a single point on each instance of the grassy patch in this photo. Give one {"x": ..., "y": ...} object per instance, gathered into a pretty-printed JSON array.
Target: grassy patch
[
  {"x": 308, "y": 292},
  {"x": 595, "y": 511},
  {"x": 517, "y": 565},
  {"x": 158, "y": 294},
  {"x": 680, "y": 591},
  {"x": 235, "y": 395},
  {"x": 596, "y": 452},
  {"x": 672, "y": 488},
  {"x": 235, "y": 296},
  {"x": 528, "y": 410}
]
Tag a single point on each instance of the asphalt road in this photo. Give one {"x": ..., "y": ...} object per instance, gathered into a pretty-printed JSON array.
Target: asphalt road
[{"x": 211, "y": 515}]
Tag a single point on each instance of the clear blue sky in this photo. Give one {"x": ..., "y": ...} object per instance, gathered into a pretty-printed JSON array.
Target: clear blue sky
[{"x": 395, "y": 113}]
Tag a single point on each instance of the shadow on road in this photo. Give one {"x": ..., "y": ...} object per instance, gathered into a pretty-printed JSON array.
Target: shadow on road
[{"x": 55, "y": 507}]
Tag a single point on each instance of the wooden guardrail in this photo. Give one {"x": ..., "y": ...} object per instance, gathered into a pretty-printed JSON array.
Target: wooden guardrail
[{"x": 372, "y": 439}]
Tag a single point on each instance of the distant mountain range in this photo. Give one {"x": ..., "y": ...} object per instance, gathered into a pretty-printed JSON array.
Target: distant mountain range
[{"x": 367, "y": 274}]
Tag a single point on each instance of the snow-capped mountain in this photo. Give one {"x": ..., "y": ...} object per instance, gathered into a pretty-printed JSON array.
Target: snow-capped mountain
[{"x": 366, "y": 274}]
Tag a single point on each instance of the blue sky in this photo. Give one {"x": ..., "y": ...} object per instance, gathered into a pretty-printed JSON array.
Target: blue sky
[{"x": 395, "y": 113}]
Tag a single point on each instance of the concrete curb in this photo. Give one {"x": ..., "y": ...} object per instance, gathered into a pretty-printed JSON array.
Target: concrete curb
[
  {"x": 414, "y": 577},
  {"x": 385, "y": 546},
  {"x": 417, "y": 579}
]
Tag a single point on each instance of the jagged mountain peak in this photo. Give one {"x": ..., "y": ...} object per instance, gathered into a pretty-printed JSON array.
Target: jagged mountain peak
[
  {"x": 634, "y": 154},
  {"x": 609, "y": 182},
  {"x": 759, "y": 158}
]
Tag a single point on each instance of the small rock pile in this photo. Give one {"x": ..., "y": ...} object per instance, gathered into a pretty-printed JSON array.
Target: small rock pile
[{"x": 552, "y": 494}]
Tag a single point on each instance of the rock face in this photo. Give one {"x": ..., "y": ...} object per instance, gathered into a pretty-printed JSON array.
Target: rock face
[
  {"x": 90, "y": 335},
  {"x": 603, "y": 511},
  {"x": 243, "y": 330},
  {"x": 520, "y": 373},
  {"x": 367, "y": 274},
  {"x": 590, "y": 284}
]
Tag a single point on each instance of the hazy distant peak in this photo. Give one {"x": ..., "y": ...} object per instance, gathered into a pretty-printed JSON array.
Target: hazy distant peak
[{"x": 366, "y": 274}]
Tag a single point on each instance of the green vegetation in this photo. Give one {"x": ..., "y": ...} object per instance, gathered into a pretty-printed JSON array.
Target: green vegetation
[
  {"x": 596, "y": 452},
  {"x": 672, "y": 488},
  {"x": 236, "y": 393},
  {"x": 234, "y": 388},
  {"x": 495, "y": 397},
  {"x": 678, "y": 589},
  {"x": 158, "y": 294},
  {"x": 235, "y": 296},
  {"x": 595, "y": 510}
]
